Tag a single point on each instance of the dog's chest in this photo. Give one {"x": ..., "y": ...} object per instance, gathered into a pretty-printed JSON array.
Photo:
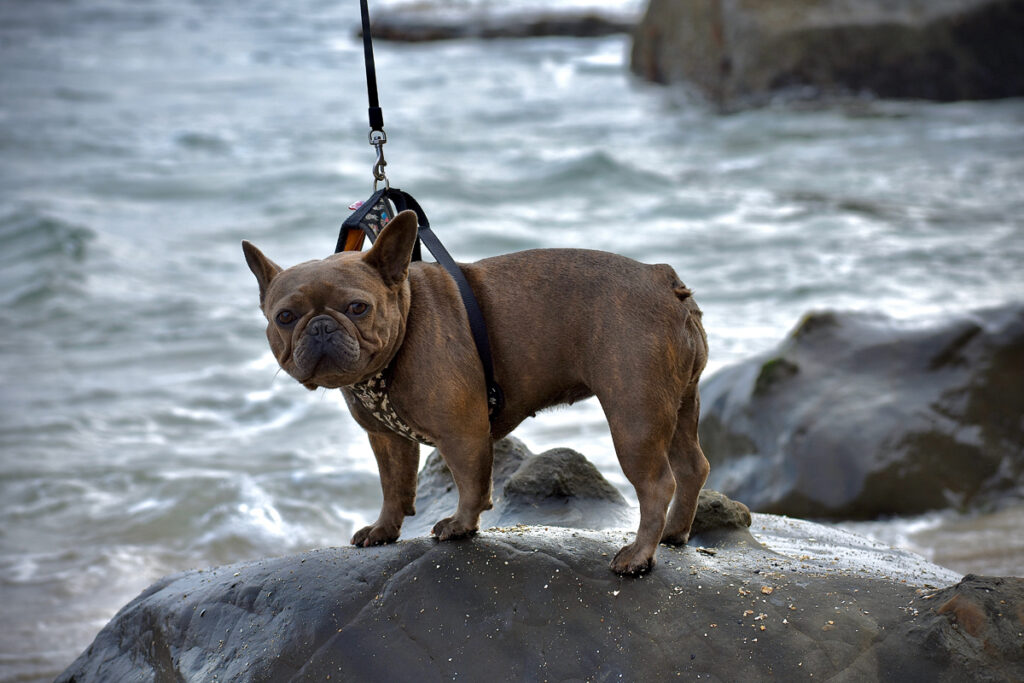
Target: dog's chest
[{"x": 372, "y": 394}]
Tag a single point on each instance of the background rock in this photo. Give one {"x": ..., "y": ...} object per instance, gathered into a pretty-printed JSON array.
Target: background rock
[
  {"x": 741, "y": 52},
  {"x": 716, "y": 512},
  {"x": 856, "y": 416},
  {"x": 415, "y": 23},
  {"x": 559, "y": 487}
]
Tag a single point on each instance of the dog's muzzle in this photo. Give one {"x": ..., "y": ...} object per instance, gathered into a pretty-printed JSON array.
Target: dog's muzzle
[{"x": 325, "y": 346}]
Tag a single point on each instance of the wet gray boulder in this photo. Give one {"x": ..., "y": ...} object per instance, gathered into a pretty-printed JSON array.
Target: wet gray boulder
[
  {"x": 741, "y": 53},
  {"x": 536, "y": 604},
  {"x": 782, "y": 598},
  {"x": 856, "y": 416}
]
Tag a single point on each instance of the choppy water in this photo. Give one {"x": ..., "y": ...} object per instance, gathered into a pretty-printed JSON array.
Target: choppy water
[{"x": 144, "y": 428}]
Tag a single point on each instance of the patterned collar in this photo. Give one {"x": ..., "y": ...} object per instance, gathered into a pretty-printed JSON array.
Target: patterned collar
[{"x": 373, "y": 395}]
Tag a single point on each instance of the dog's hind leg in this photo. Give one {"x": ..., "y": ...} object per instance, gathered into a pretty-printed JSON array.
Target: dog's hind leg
[
  {"x": 641, "y": 430},
  {"x": 689, "y": 467}
]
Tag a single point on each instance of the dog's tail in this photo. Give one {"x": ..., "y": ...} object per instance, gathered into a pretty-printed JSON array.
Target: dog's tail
[{"x": 692, "y": 327}]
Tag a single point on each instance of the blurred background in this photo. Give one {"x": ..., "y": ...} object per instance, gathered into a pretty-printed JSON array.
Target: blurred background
[{"x": 144, "y": 427}]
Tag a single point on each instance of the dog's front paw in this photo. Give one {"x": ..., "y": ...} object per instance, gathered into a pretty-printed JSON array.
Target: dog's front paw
[
  {"x": 632, "y": 561},
  {"x": 451, "y": 527},
  {"x": 376, "y": 534}
]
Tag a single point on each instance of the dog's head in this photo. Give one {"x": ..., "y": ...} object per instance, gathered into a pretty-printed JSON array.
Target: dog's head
[{"x": 338, "y": 321}]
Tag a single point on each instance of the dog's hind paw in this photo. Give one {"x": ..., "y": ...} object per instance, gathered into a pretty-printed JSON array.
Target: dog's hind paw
[
  {"x": 675, "y": 539},
  {"x": 376, "y": 534}
]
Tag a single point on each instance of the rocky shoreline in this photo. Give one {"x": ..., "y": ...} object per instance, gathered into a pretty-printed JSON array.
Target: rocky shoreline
[{"x": 783, "y": 597}]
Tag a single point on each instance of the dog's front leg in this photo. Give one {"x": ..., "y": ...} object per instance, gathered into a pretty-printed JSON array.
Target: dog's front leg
[
  {"x": 398, "y": 460},
  {"x": 470, "y": 460}
]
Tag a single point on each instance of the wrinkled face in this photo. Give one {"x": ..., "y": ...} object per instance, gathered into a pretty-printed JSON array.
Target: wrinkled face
[
  {"x": 338, "y": 321},
  {"x": 330, "y": 322}
]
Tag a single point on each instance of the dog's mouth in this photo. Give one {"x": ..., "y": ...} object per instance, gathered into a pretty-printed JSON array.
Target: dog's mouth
[{"x": 327, "y": 375}]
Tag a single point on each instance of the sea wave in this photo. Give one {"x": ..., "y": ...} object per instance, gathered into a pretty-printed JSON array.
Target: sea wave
[{"x": 41, "y": 256}]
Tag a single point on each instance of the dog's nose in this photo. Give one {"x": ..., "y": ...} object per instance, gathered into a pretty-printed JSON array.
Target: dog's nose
[{"x": 321, "y": 326}]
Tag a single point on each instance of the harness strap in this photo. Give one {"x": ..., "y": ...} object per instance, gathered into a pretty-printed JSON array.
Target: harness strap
[
  {"x": 495, "y": 396},
  {"x": 368, "y": 220}
]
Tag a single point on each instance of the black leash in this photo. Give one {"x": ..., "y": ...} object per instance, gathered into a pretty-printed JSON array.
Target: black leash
[
  {"x": 384, "y": 204},
  {"x": 376, "y": 115},
  {"x": 377, "y": 135}
]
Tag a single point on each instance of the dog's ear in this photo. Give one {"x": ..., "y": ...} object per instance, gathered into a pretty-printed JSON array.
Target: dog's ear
[
  {"x": 392, "y": 251},
  {"x": 263, "y": 268}
]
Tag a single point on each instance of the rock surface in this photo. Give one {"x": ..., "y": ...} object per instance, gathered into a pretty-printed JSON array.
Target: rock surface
[
  {"x": 740, "y": 53},
  {"x": 856, "y": 416},
  {"x": 529, "y": 603},
  {"x": 416, "y": 24}
]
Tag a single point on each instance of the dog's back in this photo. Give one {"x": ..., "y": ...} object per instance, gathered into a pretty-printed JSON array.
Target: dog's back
[{"x": 566, "y": 323}]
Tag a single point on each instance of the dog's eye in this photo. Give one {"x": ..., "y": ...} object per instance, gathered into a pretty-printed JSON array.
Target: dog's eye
[
  {"x": 285, "y": 318},
  {"x": 357, "y": 309}
]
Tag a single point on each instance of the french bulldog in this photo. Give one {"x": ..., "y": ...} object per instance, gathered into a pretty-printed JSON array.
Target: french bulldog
[{"x": 564, "y": 325}]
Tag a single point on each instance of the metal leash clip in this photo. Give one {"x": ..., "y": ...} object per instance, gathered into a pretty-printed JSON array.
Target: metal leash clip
[{"x": 377, "y": 139}]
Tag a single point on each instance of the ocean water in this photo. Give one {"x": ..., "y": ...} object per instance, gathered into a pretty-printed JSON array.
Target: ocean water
[{"x": 144, "y": 427}]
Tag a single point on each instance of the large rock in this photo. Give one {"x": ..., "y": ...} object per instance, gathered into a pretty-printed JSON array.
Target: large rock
[
  {"x": 856, "y": 416},
  {"x": 529, "y": 603},
  {"x": 533, "y": 604},
  {"x": 741, "y": 52}
]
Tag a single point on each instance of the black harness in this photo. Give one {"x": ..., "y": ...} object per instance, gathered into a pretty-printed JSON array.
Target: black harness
[{"x": 384, "y": 204}]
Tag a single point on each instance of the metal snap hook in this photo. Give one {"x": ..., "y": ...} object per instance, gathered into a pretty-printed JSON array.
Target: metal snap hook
[
  {"x": 378, "y": 166},
  {"x": 377, "y": 139}
]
